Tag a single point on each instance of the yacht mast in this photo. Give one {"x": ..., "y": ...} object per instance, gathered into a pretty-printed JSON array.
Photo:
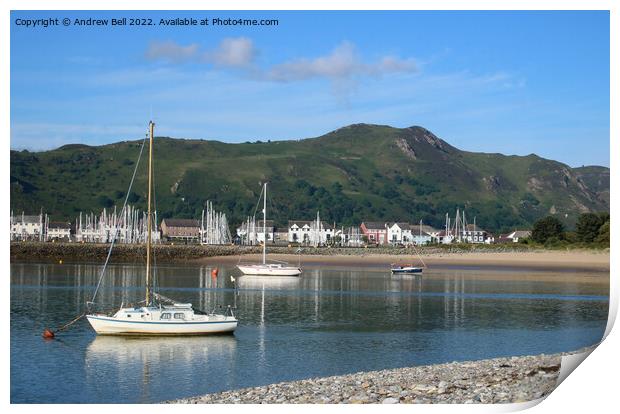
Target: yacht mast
[
  {"x": 148, "y": 218},
  {"x": 265, "y": 226}
]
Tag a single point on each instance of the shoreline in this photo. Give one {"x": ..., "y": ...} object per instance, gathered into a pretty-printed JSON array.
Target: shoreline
[
  {"x": 581, "y": 260},
  {"x": 497, "y": 380},
  {"x": 444, "y": 256}
]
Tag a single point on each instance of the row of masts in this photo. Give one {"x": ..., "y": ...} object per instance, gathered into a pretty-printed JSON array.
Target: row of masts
[
  {"x": 130, "y": 227},
  {"x": 214, "y": 226},
  {"x": 127, "y": 227},
  {"x": 456, "y": 230}
]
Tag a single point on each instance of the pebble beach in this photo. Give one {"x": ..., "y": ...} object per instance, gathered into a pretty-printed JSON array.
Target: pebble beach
[{"x": 493, "y": 381}]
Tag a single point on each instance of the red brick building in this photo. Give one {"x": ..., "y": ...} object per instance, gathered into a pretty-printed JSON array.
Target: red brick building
[{"x": 376, "y": 232}]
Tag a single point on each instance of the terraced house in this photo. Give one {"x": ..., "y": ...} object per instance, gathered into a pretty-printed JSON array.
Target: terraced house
[
  {"x": 375, "y": 232},
  {"x": 180, "y": 229}
]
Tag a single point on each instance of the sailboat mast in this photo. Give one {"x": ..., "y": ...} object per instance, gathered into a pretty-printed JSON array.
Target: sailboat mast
[
  {"x": 265, "y": 226},
  {"x": 148, "y": 217}
]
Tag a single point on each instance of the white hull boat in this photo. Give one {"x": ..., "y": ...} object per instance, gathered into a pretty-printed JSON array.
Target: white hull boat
[
  {"x": 264, "y": 268},
  {"x": 269, "y": 270},
  {"x": 167, "y": 320},
  {"x": 155, "y": 317}
]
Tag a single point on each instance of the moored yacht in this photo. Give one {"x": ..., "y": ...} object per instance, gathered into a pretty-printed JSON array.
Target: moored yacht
[
  {"x": 158, "y": 315},
  {"x": 264, "y": 268}
]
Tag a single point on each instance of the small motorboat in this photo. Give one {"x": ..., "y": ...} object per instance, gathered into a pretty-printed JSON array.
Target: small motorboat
[{"x": 405, "y": 268}]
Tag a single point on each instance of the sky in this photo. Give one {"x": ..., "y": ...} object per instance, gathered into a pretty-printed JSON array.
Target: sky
[{"x": 513, "y": 82}]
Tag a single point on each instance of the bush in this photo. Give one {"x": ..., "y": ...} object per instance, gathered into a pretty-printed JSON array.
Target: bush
[
  {"x": 105, "y": 201},
  {"x": 547, "y": 228},
  {"x": 588, "y": 226},
  {"x": 603, "y": 234}
]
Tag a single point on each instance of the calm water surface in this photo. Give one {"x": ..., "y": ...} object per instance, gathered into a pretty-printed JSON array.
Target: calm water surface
[{"x": 330, "y": 321}]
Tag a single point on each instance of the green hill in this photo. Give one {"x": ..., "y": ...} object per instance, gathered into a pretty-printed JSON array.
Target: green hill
[{"x": 356, "y": 173}]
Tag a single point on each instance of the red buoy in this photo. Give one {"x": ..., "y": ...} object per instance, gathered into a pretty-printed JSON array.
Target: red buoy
[
  {"x": 214, "y": 272},
  {"x": 48, "y": 334}
]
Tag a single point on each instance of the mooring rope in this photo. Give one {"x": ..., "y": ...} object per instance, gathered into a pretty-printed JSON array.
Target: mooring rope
[
  {"x": 65, "y": 326},
  {"x": 105, "y": 265}
]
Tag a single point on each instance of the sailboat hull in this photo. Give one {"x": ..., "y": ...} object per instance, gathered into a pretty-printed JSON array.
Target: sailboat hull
[
  {"x": 269, "y": 270},
  {"x": 407, "y": 270},
  {"x": 107, "y": 325}
]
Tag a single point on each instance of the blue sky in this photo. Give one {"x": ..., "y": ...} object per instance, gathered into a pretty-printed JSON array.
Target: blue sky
[{"x": 509, "y": 82}]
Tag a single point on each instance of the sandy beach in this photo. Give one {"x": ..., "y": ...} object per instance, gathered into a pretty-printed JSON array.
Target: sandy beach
[{"x": 578, "y": 260}]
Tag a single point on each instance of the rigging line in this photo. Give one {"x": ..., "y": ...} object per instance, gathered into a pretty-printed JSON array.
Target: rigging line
[
  {"x": 105, "y": 265},
  {"x": 273, "y": 206},
  {"x": 257, "y": 202}
]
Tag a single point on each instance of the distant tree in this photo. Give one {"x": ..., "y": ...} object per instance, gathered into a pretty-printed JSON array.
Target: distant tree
[
  {"x": 133, "y": 198},
  {"x": 105, "y": 201},
  {"x": 603, "y": 234},
  {"x": 588, "y": 225},
  {"x": 546, "y": 228}
]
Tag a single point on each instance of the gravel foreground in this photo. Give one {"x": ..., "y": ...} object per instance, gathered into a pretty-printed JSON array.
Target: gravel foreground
[{"x": 500, "y": 380}]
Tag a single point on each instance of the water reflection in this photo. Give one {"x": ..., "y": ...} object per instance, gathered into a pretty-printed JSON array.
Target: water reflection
[
  {"x": 268, "y": 282},
  {"x": 329, "y": 321},
  {"x": 205, "y": 362}
]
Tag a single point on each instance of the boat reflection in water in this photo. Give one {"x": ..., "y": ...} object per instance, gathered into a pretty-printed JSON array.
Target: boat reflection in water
[
  {"x": 268, "y": 282},
  {"x": 200, "y": 365}
]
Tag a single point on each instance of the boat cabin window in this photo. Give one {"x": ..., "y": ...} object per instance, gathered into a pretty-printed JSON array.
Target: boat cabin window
[
  {"x": 179, "y": 316},
  {"x": 165, "y": 316}
]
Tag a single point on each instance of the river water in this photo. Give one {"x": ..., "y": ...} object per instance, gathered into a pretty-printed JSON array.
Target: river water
[{"x": 331, "y": 321}]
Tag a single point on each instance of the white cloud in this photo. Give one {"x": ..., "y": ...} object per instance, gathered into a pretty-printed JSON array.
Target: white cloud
[
  {"x": 342, "y": 63},
  {"x": 233, "y": 52},
  {"x": 171, "y": 51}
]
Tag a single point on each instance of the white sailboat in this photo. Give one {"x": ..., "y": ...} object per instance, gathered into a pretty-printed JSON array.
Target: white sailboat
[
  {"x": 159, "y": 315},
  {"x": 264, "y": 268}
]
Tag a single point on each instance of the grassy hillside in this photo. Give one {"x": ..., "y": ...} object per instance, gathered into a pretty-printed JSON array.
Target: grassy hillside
[{"x": 360, "y": 172}]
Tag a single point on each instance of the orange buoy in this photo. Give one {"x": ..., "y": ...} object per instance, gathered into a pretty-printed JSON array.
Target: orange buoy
[
  {"x": 214, "y": 272},
  {"x": 48, "y": 334}
]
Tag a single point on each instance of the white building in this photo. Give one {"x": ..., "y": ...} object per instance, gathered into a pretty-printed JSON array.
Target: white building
[
  {"x": 474, "y": 234},
  {"x": 405, "y": 233},
  {"x": 27, "y": 227},
  {"x": 58, "y": 230},
  {"x": 253, "y": 232},
  {"x": 399, "y": 233},
  {"x": 314, "y": 232}
]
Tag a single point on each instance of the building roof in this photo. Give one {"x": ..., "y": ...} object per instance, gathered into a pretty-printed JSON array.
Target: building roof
[
  {"x": 28, "y": 219},
  {"x": 425, "y": 228},
  {"x": 300, "y": 223},
  {"x": 180, "y": 222},
  {"x": 310, "y": 223},
  {"x": 374, "y": 225},
  {"x": 59, "y": 225},
  {"x": 472, "y": 227},
  {"x": 259, "y": 223},
  {"x": 401, "y": 225},
  {"x": 521, "y": 233}
]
